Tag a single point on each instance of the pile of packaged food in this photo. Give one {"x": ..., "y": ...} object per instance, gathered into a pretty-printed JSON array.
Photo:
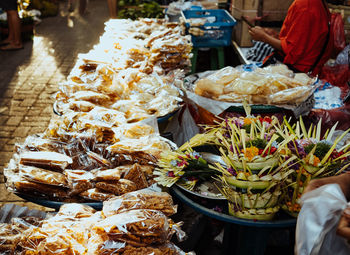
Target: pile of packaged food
[
  {"x": 272, "y": 85},
  {"x": 137, "y": 68},
  {"x": 100, "y": 146},
  {"x": 86, "y": 156},
  {"x": 135, "y": 223}
]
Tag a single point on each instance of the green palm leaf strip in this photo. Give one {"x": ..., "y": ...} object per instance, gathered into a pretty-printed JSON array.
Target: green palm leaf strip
[{"x": 325, "y": 158}]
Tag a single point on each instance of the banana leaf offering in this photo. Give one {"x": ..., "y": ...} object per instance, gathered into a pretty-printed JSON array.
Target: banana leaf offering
[{"x": 317, "y": 156}]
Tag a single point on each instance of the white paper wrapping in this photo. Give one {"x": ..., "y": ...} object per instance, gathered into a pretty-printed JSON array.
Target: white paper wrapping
[{"x": 318, "y": 221}]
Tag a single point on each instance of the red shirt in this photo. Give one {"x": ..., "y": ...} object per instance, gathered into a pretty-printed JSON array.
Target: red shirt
[{"x": 304, "y": 34}]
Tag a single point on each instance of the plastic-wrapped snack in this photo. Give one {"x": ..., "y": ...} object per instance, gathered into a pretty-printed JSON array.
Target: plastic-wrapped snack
[
  {"x": 42, "y": 176},
  {"x": 138, "y": 228},
  {"x": 140, "y": 199},
  {"x": 148, "y": 172},
  {"x": 152, "y": 145},
  {"x": 296, "y": 95},
  {"x": 9, "y": 237},
  {"x": 79, "y": 181},
  {"x": 13, "y": 228},
  {"x": 96, "y": 195},
  {"x": 37, "y": 143},
  {"x": 116, "y": 248},
  {"x": 60, "y": 237},
  {"x": 91, "y": 96},
  {"x": 117, "y": 188},
  {"x": 135, "y": 174},
  {"x": 52, "y": 192},
  {"x": 102, "y": 161},
  {"x": 108, "y": 174},
  {"x": 76, "y": 210},
  {"x": 80, "y": 106},
  {"x": 46, "y": 159},
  {"x": 214, "y": 84}
]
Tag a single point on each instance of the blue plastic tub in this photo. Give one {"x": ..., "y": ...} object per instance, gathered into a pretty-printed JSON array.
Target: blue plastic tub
[{"x": 217, "y": 33}]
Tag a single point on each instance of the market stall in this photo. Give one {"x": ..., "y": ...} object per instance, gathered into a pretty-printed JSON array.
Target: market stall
[{"x": 105, "y": 148}]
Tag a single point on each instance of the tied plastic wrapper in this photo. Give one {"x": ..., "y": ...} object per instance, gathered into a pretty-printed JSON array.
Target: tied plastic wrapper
[{"x": 318, "y": 221}]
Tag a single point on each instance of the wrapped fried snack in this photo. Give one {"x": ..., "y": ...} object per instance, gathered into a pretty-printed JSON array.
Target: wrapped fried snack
[
  {"x": 80, "y": 106},
  {"x": 148, "y": 172},
  {"x": 117, "y": 188},
  {"x": 90, "y": 96},
  {"x": 140, "y": 199},
  {"x": 151, "y": 145},
  {"x": 11, "y": 233},
  {"x": 214, "y": 84},
  {"x": 135, "y": 174},
  {"x": 52, "y": 192},
  {"x": 96, "y": 195},
  {"x": 42, "y": 176},
  {"x": 116, "y": 248},
  {"x": 78, "y": 181},
  {"x": 76, "y": 210},
  {"x": 138, "y": 228},
  {"x": 45, "y": 159},
  {"x": 9, "y": 237},
  {"x": 108, "y": 174}
]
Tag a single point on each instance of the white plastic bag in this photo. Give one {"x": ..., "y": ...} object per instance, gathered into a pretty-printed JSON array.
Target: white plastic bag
[
  {"x": 318, "y": 221},
  {"x": 183, "y": 127}
]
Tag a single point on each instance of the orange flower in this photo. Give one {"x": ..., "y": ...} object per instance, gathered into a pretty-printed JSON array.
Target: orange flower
[
  {"x": 251, "y": 152},
  {"x": 316, "y": 161},
  {"x": 248, "y": 121}
]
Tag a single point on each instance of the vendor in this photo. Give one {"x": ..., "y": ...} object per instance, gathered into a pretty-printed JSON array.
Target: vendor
[{"x": 305, "y": 42}]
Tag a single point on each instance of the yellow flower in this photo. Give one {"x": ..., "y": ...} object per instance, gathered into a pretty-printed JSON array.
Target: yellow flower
[{"x": 251, "y": 152}]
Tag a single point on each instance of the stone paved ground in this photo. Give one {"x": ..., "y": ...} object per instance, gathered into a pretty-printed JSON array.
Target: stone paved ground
[{"x": 29, "y": 78}]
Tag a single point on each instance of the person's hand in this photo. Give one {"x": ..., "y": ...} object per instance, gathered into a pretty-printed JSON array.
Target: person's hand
[
  {"x": 258, "y": 34},
  {"x": 316, "y": 183},
  {"x": 344, "y": 225},
  {"x": 342, "y": 180}
]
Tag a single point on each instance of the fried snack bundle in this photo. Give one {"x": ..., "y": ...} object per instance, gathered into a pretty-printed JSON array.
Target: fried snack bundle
[
  {"x": 11, "y": 233},
  {"x": 274, "y": 85},
  {"x": 139, "y": 228},
  {"x": 141, "y": 199},
  {"x": 80, "y": 230}
]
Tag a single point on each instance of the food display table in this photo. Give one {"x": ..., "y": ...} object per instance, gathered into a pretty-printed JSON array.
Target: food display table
[{"x": 241, "y": 236}]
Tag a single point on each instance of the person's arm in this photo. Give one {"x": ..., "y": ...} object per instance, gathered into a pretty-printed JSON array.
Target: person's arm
[
  {"x": 344, "y": 225},
  {"x": 342, "y": 180},
  {"x": 259, "y": 34}
]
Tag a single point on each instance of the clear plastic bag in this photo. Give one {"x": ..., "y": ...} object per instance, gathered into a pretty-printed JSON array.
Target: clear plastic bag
[
  {"x": 138, "y": 228},
  {"x": 141, "y": 199},
  {"x": 318, "y": 221}
]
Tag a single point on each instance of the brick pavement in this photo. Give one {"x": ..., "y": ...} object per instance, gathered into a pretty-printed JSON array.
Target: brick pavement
[{"x": 29, "y": 78}]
